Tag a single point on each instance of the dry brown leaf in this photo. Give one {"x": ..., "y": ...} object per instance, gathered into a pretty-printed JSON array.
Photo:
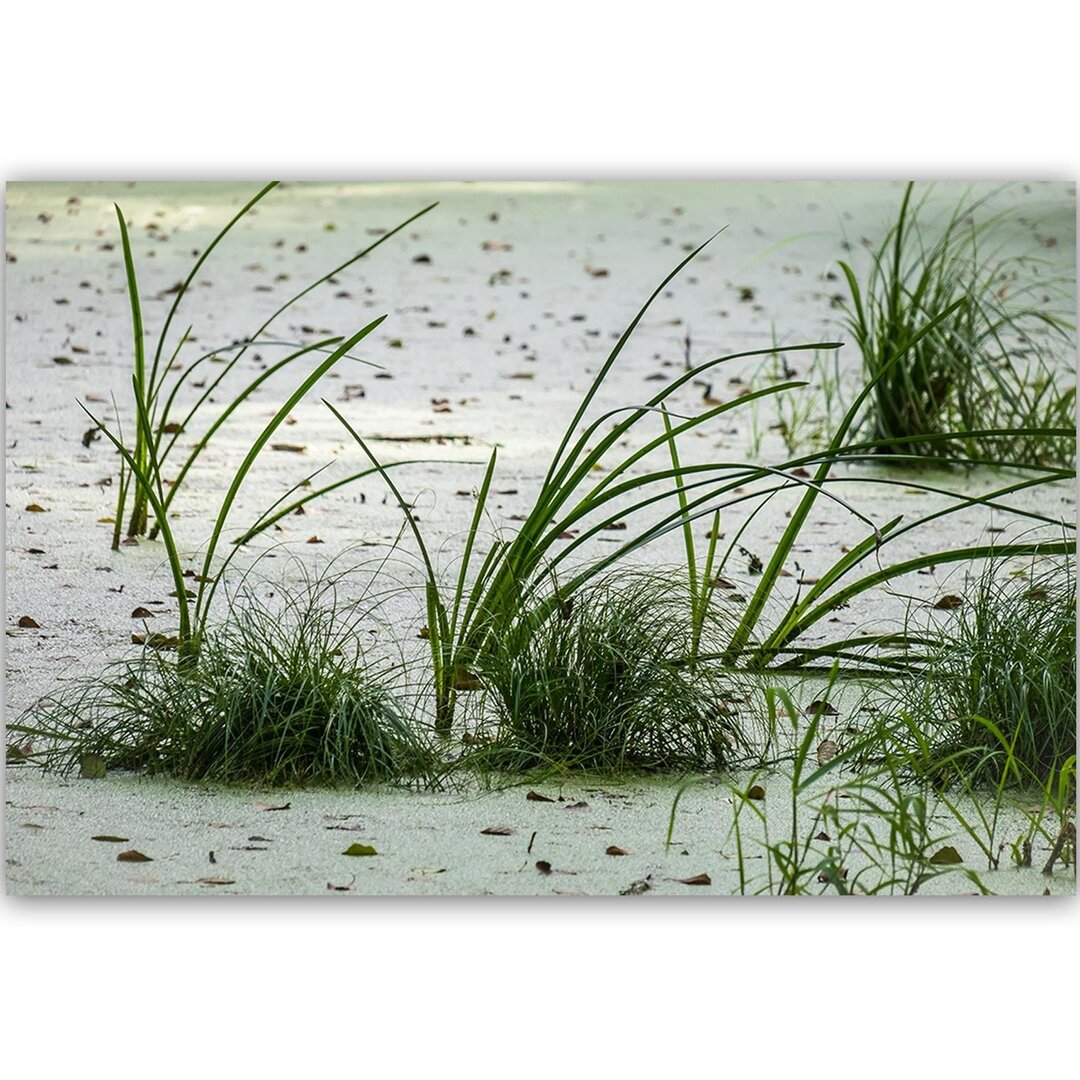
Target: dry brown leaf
[
  {"x": 821, "y": 708},
  {"x": 535, "y": 796},
  {"x": 133, "y": 856},
  {"x": 29, "y": 624},
  {"x": 613, "y": 850},
  {"x": 498, "y": 830},
  {"x": 36, "y": 508},
  {"x": 756, "y": 792},
  {"x": 697, "y": 879},
  {"x": 271, "y": 806},
  {"x": 214, "y": 881},
  {"x": 949, "y": 602},
  {"x": 288, "y": 448},
  {"x": 826, "y": 751}
]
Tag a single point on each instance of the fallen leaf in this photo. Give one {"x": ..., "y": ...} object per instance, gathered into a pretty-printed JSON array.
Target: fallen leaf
[
  {"x": 111, "y": 839},
  {"x": 498, "y": 830},
  {"x": 142, "y": 613},
  {"x": 156, "y": 641},
  {"x": 466, "y": 680},
  {"x": 697, "y": 879},
  {"x": 35, "y": 508},
  {"x": 821, "y": 708},
  {"x": 756, "y": 792},
  {"x": 826, "y": 751},
  {"x": 577, "y": 806},
  {"x": 535, "y": 796},
  {"x": 91, "y": 766},
  {"x": 949, "y": 602},
  {"x": 214, "y": 881},
  {"x": 823, "y": 836},
  {"x": 29, "y": 624},
  {"x": 133, "y": 856},
  {"x": 288, "y": 448},
  {"x": 271, "y": 806},
  {"x": 613, "y": 850},
  {"x": 359, "y": 849},
  {"x": 946, "y": 856}
]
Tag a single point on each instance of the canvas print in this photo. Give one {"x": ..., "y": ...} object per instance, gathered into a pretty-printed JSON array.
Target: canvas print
[{"x": 607, "y": 538}]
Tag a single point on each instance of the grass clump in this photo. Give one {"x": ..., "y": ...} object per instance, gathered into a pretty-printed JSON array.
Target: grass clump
[
  {"x": 602, "y": 682},
  {"x": 281, "y": 696},
  {"x": 979, "y": 345},
  {"x": 997, "y": 703}
]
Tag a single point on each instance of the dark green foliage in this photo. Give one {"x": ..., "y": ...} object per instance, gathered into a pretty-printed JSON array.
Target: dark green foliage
[
  {"x": 998, "y": 701},
  {"x": 603, "y": 682},
  {"x": 280, "y": 696},
  {"x": 999, "y": 356}
]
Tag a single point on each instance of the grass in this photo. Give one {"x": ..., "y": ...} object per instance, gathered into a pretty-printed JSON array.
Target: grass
[
  {"x": 996, "y": 703},
  {"x": 156, "y": 433},
  {"x": 998, "y": 356},
  {"x": 492, "y": 590},
  {"x": 157, "y": 439},
  {"x": 282, "y": 695},
  {"x": 602, "y": 682}
]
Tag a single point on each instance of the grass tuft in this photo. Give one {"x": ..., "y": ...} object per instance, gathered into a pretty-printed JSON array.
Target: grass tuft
[
  {"x": 979, "y": 343},
  {"x": 997, "y": 703},
  {"x": 603, "y": 682},
  {"x": 281, "y": 696}
]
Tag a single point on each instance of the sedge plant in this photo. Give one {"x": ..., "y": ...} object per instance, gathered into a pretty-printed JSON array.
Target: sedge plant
[
  {"x": 284, "y": 694},
  {"x": 160, "y": 401},
  {"x": 998, "y": 359}
]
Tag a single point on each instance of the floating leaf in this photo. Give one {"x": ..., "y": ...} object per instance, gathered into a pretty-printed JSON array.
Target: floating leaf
[
  {"x": 697, "y": 879},
  {"x": 946, "y": 856},
  {"x": 156, "y": 641},
  {"x": 756, "y": 792},
  {"x": 91, "y": 766},
  {"x": 466, "y": 680},
  {"x": 949, "y": 602},
  {"x": 535, "y": 796},
  {"x": 29, "y": 624},
  {"x": 498, "y": 830},
  {"x": 821, "y": 708},
  {"x": 359, "y": 849},
  {"x": 133, "y": 856},
  {"x": 823, "y": 836},
  {"x": 826, "y": 751},
  {"x": 35, "y": 508},
  {"x": 613, "y": 850},
  {"x": 110, "y": 839},
  {"x": 288, "y": 448},
  {"x": 543, "y": 866},
  {"x": 214, "y": 881},
  {"x": 271, "y": 806},
  {"x": 577, "y": 806}
]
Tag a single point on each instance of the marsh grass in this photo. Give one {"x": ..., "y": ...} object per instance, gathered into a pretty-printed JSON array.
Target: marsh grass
[
  {"x": 998, "y": 355},
  {"x": 283, "y": 695},
  {"x": 851, "y": 828},
  {"x": 157, "y": 392},
  {"x": 996, "y": 704},
  {"x": 604, "y": 681}
]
